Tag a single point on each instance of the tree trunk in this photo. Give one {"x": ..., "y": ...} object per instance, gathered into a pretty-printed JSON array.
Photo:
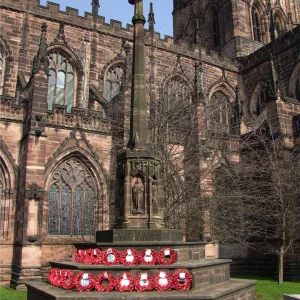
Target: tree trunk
[{"x": 280, "y": 266}]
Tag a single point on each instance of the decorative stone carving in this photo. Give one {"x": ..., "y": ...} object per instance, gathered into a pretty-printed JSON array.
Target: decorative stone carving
[
  {"x": 138, "y": 201},
  {"x": 154, "y": 195},
  {"x": 34, "y": 192}
]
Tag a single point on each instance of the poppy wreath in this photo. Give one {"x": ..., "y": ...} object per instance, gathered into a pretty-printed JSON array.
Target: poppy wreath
[
  {"x": 124, "y": 282},
  {"x": 84, "y": 282},
  {"x": 166, "y": 253},
  {"x": 54, "y": 276},
  {"x": 88, "y": 256},
  {"x": 130, "y": 257},
  {"x": 97, "y": 256},
  {"x": 67, "y": 279},
  {"x": 182, "y": 280},
  {"x": 144, "y": 282},
  {"x": 163, "y": 281},
  {"x": 148, "y": 257},
  {"x": 80, "y": 255},
  {"x": 103, "y": 277},
  {"x": 111, "y": 257}
]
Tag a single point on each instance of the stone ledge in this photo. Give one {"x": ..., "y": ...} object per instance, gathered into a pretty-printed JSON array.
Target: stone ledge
[
  {"x": 233, "y": 290},
  {"x": 194, "y": 265}
]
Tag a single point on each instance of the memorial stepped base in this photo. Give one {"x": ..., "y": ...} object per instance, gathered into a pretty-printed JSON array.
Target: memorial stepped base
[{"x": 211, "y": 278}]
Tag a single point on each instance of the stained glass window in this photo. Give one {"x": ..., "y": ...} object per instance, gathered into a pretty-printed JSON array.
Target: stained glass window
[
  {"x": 256, "y": 26},
  {"x": 219, "y": 112},
  {"x": 297, "y": 92},
  {"x": 113, "y": 82},
  {"x": 71, "y": 200},
  {"x": 60, "y": 82}
]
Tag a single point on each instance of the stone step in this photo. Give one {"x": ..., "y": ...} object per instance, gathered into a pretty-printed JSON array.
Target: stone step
[
  {"x": 187, "y": 251},
  {"x": 232, "y": 290},
  {"x": 208, "y": 272}
]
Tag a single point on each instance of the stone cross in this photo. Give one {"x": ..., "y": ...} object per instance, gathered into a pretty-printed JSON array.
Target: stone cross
[{"x": 138, "y": 115}]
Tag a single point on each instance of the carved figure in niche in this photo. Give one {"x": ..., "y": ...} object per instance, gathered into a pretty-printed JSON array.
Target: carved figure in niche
[
  {"x": 154, "y": 195},
  {"x": 138, "y": 197}
]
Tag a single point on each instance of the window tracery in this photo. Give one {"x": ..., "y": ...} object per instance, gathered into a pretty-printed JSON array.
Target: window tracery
[
  {"x": 261, "y": 101},
  {"x": 175, "y": 108},
  {"x": 72, "y": 197},
  {"x": 113, "y": 82},
  {"x": 61, "y": 83},
  {"x": 256, "y": 24},
  {"x": 220, "y": 112}
]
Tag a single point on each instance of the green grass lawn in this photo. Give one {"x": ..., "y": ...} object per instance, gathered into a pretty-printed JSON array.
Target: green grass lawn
[
  {"x": 269, "y": 289},
  {"x": 10, "y": 294},
  {"x": 265, "y": 286}
]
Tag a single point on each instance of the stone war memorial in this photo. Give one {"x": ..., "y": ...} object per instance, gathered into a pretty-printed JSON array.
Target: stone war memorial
[
  {"x": 140, "y": 228},
  {"x": 118, "y": 147}
]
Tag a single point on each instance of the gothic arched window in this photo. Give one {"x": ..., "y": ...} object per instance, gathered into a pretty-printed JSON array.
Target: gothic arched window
[
  {"x": 72, "y": 198},
  {"x": 256, "y": 24},
  {"x": 113, "y": 82},
  {"x": 297, "y": 91},
  {"x": 219, "y": 112},
  {"x": 261, "y": 102},
  {"x": 61, "y": 83},
  {"x": 279, "y": 25},
  {"x": 216, "y": 30},
  {"x": 175, "y": 109},
  {"x": 4, "y": 200},
  {"x": 1, "y": 67}
]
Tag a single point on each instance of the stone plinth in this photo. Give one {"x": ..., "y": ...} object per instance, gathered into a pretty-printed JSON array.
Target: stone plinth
[
  {"x": 187, "y": 252},
  {"x": 138, "y": 235},
  {"x": 233, "y": 290}
]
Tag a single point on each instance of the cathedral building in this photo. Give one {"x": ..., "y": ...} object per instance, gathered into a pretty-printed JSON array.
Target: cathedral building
[{"x": 62, "y": 76}]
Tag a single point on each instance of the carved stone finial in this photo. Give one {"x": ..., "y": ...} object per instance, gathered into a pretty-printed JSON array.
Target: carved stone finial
[
  {"x": 41, "y": 61},
  {"x": 151, "y": 19},
  {"x": 95, "y": 7}
]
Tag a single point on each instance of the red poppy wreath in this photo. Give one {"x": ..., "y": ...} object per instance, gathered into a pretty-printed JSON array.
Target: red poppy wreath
[
  {"x": 144, "y": 282},
  {"x": 124, "y": 282},
  {"x": 163, "y": 281},
  {"x": 54, "y": 276},
  {"x": 148, "y": 257},
  {"x": 88, "y": 256},
  {"x": 182, "y": 280},
  {"x": 166, "y": 256},
  {"x": 67, "y": 280},
  {"x": 130, "y": 257},
  {"x": 78, "y": 255},
  {"x": 104, "y": 277},
  {"x": 84, "y": 282},
  {"x": 111, "y": 257},
  {"x": 97, "y": 256}
]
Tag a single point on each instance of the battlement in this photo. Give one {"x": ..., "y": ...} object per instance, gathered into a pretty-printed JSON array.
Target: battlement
[
  {"x": 90, "y": 22},
  {"x": 287, "y": 40}
]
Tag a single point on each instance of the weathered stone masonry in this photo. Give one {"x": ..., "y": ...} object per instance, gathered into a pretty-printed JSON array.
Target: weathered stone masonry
[{"x": 36, "y": 142}]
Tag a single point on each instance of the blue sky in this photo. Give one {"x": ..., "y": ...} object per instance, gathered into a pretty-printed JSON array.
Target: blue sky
[{"x": 121, "y": 10}]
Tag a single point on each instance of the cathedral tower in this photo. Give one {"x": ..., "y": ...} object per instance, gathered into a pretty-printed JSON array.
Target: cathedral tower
[{"x": 234, "y": 28}]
